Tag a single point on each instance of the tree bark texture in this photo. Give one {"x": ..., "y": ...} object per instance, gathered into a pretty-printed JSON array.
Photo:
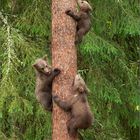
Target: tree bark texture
[{"x": 64, "y": 57}]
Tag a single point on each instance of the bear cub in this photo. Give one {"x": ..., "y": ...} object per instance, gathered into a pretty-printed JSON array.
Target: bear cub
[
  {"x": 44, "y": 78},
  {"x": 81, "y": 116},
  {"x": 82, "y": 18}
]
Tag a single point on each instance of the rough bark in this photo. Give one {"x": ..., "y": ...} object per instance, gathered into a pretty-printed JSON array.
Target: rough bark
[{"x": 64, "y": 57}]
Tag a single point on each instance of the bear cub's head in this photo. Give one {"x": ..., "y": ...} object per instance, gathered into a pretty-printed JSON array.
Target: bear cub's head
[
  {"x": 79, "y": 84},
  {"x": 84, "y": 5},
  {"x": 42, "y": 66}
]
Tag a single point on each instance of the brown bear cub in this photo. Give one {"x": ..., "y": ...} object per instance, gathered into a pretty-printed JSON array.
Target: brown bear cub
[
  {"x": 44, "y": 78},
  {"x": 82, "y": 18},
  {"x": 81, "y": 116}
]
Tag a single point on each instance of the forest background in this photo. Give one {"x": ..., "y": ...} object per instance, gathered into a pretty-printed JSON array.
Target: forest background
[{"x": 108, "y": 60}]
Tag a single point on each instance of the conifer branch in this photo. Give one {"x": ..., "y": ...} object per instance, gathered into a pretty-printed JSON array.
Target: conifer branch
[{"x": 9, "y": 43}]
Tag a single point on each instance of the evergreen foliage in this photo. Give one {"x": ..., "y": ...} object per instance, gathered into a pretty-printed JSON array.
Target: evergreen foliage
[{"x": 108, "y": 59}]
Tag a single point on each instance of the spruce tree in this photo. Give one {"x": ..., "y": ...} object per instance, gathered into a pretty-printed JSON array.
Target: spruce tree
[{"x": 64, "y": 56}]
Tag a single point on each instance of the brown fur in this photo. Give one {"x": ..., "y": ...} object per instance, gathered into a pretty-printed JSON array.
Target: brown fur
[
  {"x": 44, "y": 78},
  {"x": 82, "y": 18},
  {"x": 81, "y": 116}
]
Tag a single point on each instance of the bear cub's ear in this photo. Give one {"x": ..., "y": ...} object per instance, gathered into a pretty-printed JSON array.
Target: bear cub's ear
[
  {"x": 45, "y": 57},
  {"x": 34, "y": 65}
]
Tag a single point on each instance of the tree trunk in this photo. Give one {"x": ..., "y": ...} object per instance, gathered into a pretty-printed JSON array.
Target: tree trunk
[{"x": 64, "y": 56}]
